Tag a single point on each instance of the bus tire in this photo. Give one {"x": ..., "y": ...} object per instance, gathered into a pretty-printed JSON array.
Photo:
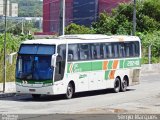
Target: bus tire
[
  {"x": 124, "y": 84},
  {"x": 36, "y": 96},
  {"x": 70, "y": 91},
  {"x": 117, "y": 85}
]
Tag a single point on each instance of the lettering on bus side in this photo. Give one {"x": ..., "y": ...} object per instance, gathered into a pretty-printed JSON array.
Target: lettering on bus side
[
  {"x": 76, "y": 68},
  {"x": 82, "y": 76},
  {"x": 132, "y": 63}
]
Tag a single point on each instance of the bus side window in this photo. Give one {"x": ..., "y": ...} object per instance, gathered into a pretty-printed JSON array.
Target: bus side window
[
  {"x": 104, "y": 51},
  {"x": 115, "y": 50},
  {"x": 72, "y": 52},
  {"x": 132, "y": 49},
  {"x": 121, "y": 50},
  {"x": 137, "y": 49},
  {"x": 95, "y": 51},
  {"x": 84, "y": 52},
  {"x": 108, "y": 52},
  {"x": 70, "y": 55},
  {"x": 101, "y": 51},
  {"x": 127, "y": 49},
  {"x": 62, "y": 51}
]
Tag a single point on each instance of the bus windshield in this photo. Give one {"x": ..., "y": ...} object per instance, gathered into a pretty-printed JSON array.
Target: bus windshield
[
  {"x": 34, "y": 62},
  {"x": 37, "y": 49}
]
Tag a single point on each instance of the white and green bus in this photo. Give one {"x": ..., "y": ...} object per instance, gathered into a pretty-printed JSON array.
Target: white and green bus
[{"x": 77, "y": 63}]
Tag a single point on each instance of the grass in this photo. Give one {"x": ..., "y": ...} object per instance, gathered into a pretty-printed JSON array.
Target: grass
[
  {"x": 153, "y": 60},
  {"x": 10, "y": 72}
]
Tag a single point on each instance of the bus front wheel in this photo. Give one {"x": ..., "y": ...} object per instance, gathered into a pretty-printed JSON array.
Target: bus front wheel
[
  {"x": 117, "y": 85},
  {"x": 70, "y": 91}
]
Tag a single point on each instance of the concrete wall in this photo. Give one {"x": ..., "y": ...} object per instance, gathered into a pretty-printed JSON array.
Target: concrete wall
[{"x": 150, "y": 68}]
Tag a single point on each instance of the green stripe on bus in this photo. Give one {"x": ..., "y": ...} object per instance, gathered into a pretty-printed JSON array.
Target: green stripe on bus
[
  {"x": 121, "y": 63},
  {"x": 110, "y": 64},
  {"x": 82, "y": 67},
  {"x": 35, "y": 81},
  {"x": 107, "y": 74},
  {"x": 97, "y": 66},
  {"x": 68, "y": 67}
]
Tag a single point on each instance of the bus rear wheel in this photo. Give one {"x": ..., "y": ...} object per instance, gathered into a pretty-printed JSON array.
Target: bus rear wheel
[
  {"x": 117, "y": 85},
  {"x": 123, "y": 85},
  {"x": 36, "y": 96},
  {"x": 70, "y": 91}
]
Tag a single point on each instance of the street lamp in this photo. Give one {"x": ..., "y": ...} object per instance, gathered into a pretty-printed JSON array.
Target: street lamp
[{"x": 22, "y": 26}]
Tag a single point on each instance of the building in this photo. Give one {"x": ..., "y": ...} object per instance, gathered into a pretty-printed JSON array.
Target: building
[
  {"x": 82, "y": 12},
  {"x": 1, "y": 7},
  {"x": 12, "y": 8},
  {"x": 46, "y": 16},
  {"x": 55, "y": 12},
  {"x": 51, "y": 12},
  {"x": 108, "y": 5}
]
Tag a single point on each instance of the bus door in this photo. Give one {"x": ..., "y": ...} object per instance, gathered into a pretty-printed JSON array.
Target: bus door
[{"x": 60, "y": 63}]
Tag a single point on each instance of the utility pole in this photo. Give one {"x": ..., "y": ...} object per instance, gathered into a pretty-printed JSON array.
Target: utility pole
[
  {"x": 4, "y": 45},
  {"x": 149, "y": 53},
  {"x": 134, "y": 18},
  {"x": 62, "y": 18},
  {"x": 22, "y": 27}
]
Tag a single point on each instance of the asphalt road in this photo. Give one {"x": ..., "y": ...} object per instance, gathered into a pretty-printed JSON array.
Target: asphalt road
[{"x": 143, "y": 98}]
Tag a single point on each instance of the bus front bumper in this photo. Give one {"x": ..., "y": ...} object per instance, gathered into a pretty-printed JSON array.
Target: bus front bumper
[{"x": 29, "y": 89}]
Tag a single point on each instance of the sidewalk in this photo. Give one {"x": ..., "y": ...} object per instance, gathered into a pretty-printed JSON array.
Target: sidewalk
[{"x": 10, "y": 89}]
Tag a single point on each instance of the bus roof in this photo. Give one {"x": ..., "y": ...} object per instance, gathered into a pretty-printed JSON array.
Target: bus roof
[{"x": 83, "y": 38}]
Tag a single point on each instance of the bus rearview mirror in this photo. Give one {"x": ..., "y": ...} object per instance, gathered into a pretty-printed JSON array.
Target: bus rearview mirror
[{"x": 53, "y": 62}]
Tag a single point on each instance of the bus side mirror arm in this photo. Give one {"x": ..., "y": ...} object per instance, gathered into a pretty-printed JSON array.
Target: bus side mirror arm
[{"x": 53, "y": 62}]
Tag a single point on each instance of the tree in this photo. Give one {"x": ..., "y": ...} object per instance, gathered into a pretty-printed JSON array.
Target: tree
[
  {"x": 151, "y": 8},
  {"x": 105, "y": 24},
  {"x": 77, "y": 29},
  {"x": 152, "y": 39},
  {"x": 120, "y": 20},
  {"x": 148, "y": 23}
]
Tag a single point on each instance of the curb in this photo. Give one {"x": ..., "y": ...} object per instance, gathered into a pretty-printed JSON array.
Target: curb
[
  {"x": 149, "y": 73},
  {"x": 4, "y": 95}
]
